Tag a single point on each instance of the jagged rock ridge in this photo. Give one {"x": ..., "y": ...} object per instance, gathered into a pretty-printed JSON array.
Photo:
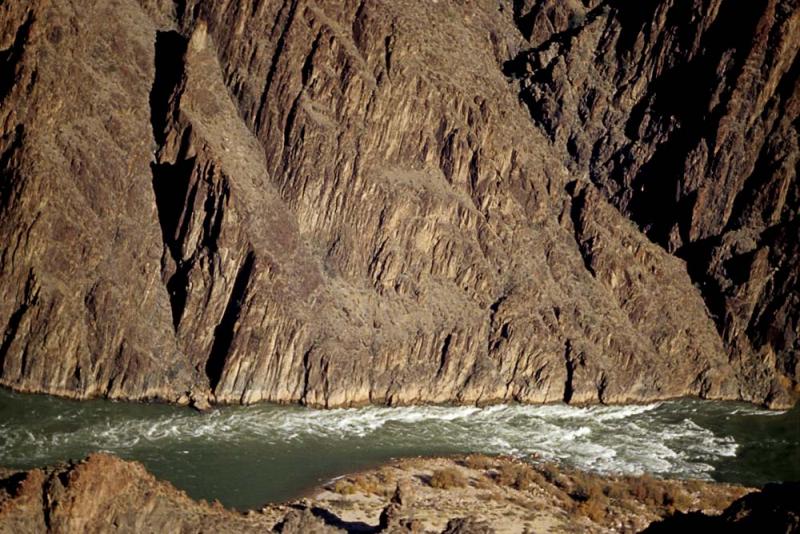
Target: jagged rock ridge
[
  {"x": 347, "y": 202},
  {"x": 685, "y": 115}
]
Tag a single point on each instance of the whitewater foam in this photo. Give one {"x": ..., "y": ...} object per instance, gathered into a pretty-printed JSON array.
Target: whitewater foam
[{"x": 608, "y": 439}]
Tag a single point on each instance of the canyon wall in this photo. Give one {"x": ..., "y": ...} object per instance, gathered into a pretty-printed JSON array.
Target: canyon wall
[{"x": 342, "y": 202}]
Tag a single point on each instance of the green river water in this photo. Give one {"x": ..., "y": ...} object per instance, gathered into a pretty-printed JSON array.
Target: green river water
[{"x": 247, "y": 456}]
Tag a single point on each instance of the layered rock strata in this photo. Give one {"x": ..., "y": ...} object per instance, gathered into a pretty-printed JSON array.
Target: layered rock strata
[
  {"x": 685, "y": 116},
  {"x": 338, "y": 203}
]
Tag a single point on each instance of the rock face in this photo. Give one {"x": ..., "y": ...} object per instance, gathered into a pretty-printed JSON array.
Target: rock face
[
  {"x": 685, "y": 116},
  {"x": 103, "y": 493},
  {"x": 773, "y": 509},
  {"x": 347, "y": 202}
]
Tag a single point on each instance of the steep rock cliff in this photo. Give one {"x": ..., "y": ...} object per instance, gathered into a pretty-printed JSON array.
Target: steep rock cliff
[
  {"x": 685, "y": 115},
  {"x": 347, "y": 202}
]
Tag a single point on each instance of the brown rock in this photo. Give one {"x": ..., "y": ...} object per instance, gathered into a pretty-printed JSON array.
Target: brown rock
[
  {"x": 302, "y": 522},
  {"x": 338, "y": 203},
  {"x": 684, "y": 114},
  {"x": 104, "y": 493},
  {"x": 467, "y": 526},
  {"x": 775, "y": 509},
  {"x": 395, "y": 516}
]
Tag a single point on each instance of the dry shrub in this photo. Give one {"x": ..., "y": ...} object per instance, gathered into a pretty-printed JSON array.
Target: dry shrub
[
  {"x": 586, "y": 487},
  {"x": 518, "y": 476},
  {"x": 387, "y": 480},
  {"x": 478, "y": 462},
  {"x": 649, "y": 490},
  {"x": 516, "y": 500},
  {"x": 589, "y": 495},
  {"x": 449, "y": 477},
  {"x": 386, "y": 475},
  {"x": 716, "y": 500},
  {"x": 594, "y": 509},
  {"x": 368, "y": 484},
  {"x": 483, "y": 483},
  {"x": 707, "y": 496},
  {"x": 617, "y": 491},
  {"x": 694, "y": 486},
  {"x": 358, "y": 484},
  {"x": 549, "y": 472},
  {"x": 343, "y": 487},
  {"x": 677, "y": 499},
  {"x": 491, "y": 495}
]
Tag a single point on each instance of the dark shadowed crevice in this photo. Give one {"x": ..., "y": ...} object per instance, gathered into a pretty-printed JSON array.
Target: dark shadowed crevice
[
  {"x": 273, "y": 67},
  {"x": 443, "y": 354},
  {"x": 576, "y": 209},
  {"x": 46, "y": 506},
  {"x": 518, "y": 66},
  {"x": 287, "y": 130},
  {"x": 178, "y": 289},
  {"x": 388, "y": 49},
  {"x": 180, "y": 10},
  {"x": 633, "y": 17},
  {"x": 11, "y": 333},
  {"x": 331, "y": 521},
  {"x": 522, "y": 19},
  {"x": 171, "y": 181},
  {"x": 171, "y": 184},
  {"x": 774, "y": 308},
  {"x": 11, "y": 484},
  {"x": 661, "y": 198},
  {"x": 214, "y": 207},
  {"x": 493, "y": 309},
  {"x": 360, "y": 26},
  {"x": 223, "y": 333},
  {"x": 8, "y": 174},
  {"x": 306, "y": 371},
  {"x": 602, "y": 386},
  {"x": 308, "y": 64},
  {"x": 570, "y": 364},
  {"x": 9, "y": 57},
  {"x": 170, "y": 48},
  {"x": 698, "y": 257},
  {"x": 30, "y": 298}
]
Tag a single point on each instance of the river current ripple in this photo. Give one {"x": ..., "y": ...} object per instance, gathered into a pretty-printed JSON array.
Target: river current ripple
[{"x": 291, "y": 446}]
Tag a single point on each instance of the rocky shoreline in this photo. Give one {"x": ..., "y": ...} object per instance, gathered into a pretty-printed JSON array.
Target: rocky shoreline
[{"x": 467, "y": 494}]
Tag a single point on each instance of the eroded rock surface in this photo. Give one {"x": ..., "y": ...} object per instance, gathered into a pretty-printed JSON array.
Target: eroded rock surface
[
  {"x": 105, "y": 493},
  {"x": 485, "y": 495},
  {"x": 347, "y": 202},
  {"x": 773, "y": 509},
  {"x": 685, "y": 115}
]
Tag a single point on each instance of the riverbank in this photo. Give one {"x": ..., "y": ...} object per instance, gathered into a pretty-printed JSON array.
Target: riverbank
[
  {"x": 509, "y": 495},
  {"x": 474, "y": 493}
]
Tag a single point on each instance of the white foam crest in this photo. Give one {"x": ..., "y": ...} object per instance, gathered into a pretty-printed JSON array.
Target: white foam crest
[
  {"x": 619, "y": 439},
  {"x": 754, "y": 410}
]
